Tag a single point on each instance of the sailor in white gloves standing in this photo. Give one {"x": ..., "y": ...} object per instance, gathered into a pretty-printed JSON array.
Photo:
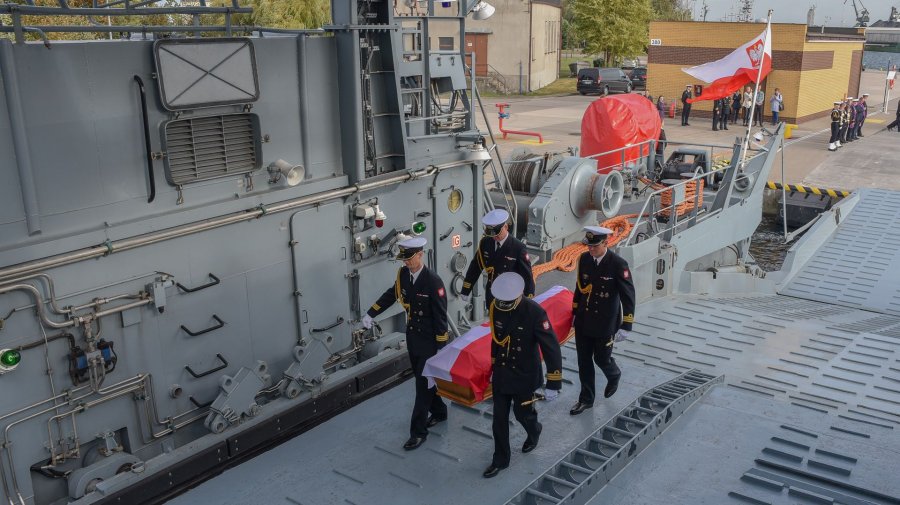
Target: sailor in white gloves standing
[
  {"x": 603, "y": 311},
  {"x": 421, "y": 293}
]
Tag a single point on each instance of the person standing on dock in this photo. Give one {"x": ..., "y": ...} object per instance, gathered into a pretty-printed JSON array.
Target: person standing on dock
[
  {"x": 851, "y": 125},
  {"x": 686, "y": 106},
  {"x": 723, "y": 113},
  {"x": 603, "y": 311},
  {"x": 896, "y": 122},
  {"x": 835, "y": 126},
  {"x": 520, "y": 334},
  {"x": 845, "y": 120},
  {"x": 758, "y": 104},
  {"x": 746, "y": 103},
  {"x": 776, "y": 104},
  {"x": 716, "y": 112},
  {"x": 863, "y": 112},
  {"x": 421, "y": 293},
  {"x": 498, "y": 252}
]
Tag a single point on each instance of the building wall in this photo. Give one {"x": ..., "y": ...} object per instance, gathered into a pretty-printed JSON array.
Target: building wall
[
  {"x": 811, "y": 74},
  {"x": 545, "y": 44},
  {"x": 515, "y": 53}
]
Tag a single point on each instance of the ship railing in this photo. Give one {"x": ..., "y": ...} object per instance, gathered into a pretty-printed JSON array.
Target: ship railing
[
  {"x": 653, "y": 212},
  {"x": 119, "y": 8}
]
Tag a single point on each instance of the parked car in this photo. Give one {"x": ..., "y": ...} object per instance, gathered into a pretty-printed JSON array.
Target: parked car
[
  {"x": 639, "y": 78},
  {"x": 602, "y": 80}
]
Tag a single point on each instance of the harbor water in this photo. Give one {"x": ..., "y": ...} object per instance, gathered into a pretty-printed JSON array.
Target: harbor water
[
  {"x": 767, "y": 245},
  {"x": 880, "y": 60}
]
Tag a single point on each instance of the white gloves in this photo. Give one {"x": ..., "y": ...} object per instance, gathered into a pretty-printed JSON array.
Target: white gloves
[
  {"x": 466, "y": 298},
  {"x": 622, "y": 335},
  {"x": 367, "y": 321},
  {"x": 551, "y": 394}
]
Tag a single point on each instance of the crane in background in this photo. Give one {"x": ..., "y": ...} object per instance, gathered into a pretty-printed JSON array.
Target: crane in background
[{"x": 862, "y": 14}]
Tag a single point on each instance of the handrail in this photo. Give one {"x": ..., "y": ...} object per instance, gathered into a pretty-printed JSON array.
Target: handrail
[{"x": 645, "y": 215}]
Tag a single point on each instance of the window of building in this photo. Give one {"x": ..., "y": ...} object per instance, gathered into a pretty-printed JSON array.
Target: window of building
[{"x": 445, "y": 43}]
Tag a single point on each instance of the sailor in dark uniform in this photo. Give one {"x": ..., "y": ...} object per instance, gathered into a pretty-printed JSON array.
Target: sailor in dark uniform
[
  {"x": 686, "y": 106},
  {"x": 716, "y": 112},
  {"x": 498, "y": 252},
  {"x": 421, "y": 293},
  {"x": 520, "y": 334},
  {"x": 603, "y": 308},
  {"x": 845, "y": 120},
  {"x": 835, "y": 126},
  {"x": 723, "y": 113}
]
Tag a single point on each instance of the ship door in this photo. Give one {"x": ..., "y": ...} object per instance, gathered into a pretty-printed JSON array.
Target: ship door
[
  {"x": 478, "y": 43},
  {"x": 319, "y": 256}
]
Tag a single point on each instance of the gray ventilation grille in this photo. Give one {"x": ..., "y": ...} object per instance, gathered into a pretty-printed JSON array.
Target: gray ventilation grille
[{"x": 203, "y": 148}]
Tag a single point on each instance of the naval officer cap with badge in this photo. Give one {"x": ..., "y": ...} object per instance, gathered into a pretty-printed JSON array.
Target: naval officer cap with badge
[
  {"x": 520, "y": 334},
  {"x": 498, "y": 252},
  {"x": 421, "y": 293},
  {"x": 602, "y": 311}
]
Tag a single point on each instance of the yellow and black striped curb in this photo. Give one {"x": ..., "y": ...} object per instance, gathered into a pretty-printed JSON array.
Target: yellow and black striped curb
[{"x": 834, "y": 193}]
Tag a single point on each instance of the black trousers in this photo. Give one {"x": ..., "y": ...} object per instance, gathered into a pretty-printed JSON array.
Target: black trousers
[
  {"x": 746, "y": 115},
  {"x": 895, "y": 123},
  {"x": 685, "y": 114},
  {"x": 758, "y": 115},
  {"x": 594, "y": 350},
  {"x": 735, "y": 114},
  {"x": 525, "y": 414},
  {"x": 427, "y": 400},
  {"x": 842, "y": 136},
  {"x": 835, "y": 133}
]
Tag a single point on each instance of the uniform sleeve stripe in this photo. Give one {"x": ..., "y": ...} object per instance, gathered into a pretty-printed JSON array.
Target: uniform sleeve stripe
[
  {"x": 629, "y": 318},
  {"x": 442, "y": 338},
  {"x": 376, "y": 307}
]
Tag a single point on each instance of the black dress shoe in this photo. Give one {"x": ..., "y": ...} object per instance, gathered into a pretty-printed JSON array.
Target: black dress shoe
[
  {"x": 413, "y": 443},
  {"x": 492, "y": 471},
  {"x": 611, "y": 388},
  {"x": 579, "y": 407},
  {"x": 433, "y": 421},
  {"x": 530, "y": 444}
]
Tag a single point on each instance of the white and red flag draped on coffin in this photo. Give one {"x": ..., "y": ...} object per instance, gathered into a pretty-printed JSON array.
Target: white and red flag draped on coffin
[
  {"x": 466, "y": 362},
  {"x": 738, "y": 69}
]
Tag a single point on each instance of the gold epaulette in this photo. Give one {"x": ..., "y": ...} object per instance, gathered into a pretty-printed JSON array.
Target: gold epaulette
[
  {"x": 554, "y": 376},
  {"x": 629, "y": 318},
  {"x": 442, "y": 338}
]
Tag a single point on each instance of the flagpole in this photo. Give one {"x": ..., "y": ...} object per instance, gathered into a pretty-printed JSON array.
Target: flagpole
[{"x": 746, "y": 145}]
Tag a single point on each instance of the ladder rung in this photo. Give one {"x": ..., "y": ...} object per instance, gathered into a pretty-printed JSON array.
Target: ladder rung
[
  {"x": 620, "y": 432},
  {"x": 591, "y": 454},
  {"x": 577, "y": 468},
  {"x": 645, "y": 411},
  {"x": 632, "y": 420},
  {"x": 663, "y": 393},
  {"x": 563, "y": 482},
  {"x": 605, "y": 442},
  {"x": 541, "y": 495},
  {"x": 655, "y": 400}
]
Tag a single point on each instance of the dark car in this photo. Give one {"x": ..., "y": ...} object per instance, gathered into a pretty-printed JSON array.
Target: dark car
[
  {"x": 603, "y": 80},
  {"x": 639, "y": 78}
]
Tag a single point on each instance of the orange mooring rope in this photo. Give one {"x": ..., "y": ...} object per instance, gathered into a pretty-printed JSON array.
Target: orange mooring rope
[{"x": 566, "y": 259}]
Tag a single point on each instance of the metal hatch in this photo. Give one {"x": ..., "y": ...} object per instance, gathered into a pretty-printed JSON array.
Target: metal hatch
[{"x": 205, "y": 73}]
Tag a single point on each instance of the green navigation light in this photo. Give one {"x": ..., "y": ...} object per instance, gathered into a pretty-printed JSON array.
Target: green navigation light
[
  {"x": 10, "y": 358},
  {"x": 418, "y": 227}
]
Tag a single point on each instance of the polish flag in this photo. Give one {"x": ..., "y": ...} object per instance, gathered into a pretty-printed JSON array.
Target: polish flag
[
  {"x": 736, "y": 70},
  {"x": 466, "y": 362}
]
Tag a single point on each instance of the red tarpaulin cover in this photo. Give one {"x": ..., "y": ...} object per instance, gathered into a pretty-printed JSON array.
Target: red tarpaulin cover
[
  {"x": 617, "y": 121},
  {"x": 466, "y": 362}
]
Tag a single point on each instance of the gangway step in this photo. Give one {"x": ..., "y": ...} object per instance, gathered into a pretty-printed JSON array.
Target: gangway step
[{"x": 584, "y": 471}]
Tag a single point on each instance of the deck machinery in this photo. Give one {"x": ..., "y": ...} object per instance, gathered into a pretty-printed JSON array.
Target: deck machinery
[{"x": 195, "y": 217}]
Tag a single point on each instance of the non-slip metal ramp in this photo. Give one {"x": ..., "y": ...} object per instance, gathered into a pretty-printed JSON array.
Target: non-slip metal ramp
[
  {"x": 579, "y": 475},
  {"x": 859, "y": 264}
]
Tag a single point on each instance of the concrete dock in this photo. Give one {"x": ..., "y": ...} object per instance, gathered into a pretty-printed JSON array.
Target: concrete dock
[{"x": 872, "y": 161}]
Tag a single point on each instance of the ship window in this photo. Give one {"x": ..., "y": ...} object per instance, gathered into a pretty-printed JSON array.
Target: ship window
[
  {"x": 202, "y": 148},
  {"x": 445, "y": 43}
]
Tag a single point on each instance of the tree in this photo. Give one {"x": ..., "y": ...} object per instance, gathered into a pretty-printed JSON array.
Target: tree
[
  {"x": 289, "y": 14},
  {"x": 619, "y": 28},
  {"x": 670, "y": 10}
]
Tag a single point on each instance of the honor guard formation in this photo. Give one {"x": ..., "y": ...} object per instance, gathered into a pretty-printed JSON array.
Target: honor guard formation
[
  {"x": 521, "y": 333},
  {"x": 847, "y": 119}
]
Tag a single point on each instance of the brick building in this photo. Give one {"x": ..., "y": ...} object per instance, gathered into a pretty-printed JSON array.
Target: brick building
[{"x": 811, "y": 69}]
